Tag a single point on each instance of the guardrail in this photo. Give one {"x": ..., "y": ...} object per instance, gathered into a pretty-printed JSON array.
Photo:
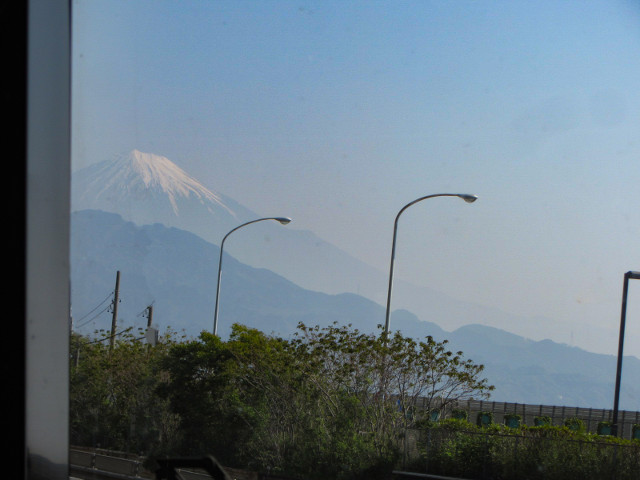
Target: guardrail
[
  {"x": 399, "y": 474},
  {"x": 105, "y": 465},
  {"x": 92, "y": 465}
]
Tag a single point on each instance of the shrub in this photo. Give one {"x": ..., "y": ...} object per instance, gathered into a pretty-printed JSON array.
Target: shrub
[
  {"x": 534, "y": 453},
  {"x": 459, "y": 414},
  {"x": 575, "y": 424},
  {"x": 484, "y": 419},
  {"x": 541, "y": 420},
  {"x": 512, "y": 420}
]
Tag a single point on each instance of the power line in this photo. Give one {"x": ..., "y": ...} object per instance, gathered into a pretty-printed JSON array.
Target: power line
[
  {"x": 94, "y": 317},
  {"x": 96, "y": 307},
  {"x": 145, "y": 313}
]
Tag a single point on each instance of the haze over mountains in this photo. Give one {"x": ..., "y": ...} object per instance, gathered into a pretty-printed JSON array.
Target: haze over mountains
[
  {"x": 162, "y": 234},
  {"x": 175, "y": 271},
  {"x": 146, "y": 188}
]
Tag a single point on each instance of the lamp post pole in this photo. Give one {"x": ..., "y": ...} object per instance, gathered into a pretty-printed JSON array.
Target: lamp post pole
[
  {"x": 282, "y": 220},
  {"x": 466, "y": 197},
  {"x": 623, "y": 315}
]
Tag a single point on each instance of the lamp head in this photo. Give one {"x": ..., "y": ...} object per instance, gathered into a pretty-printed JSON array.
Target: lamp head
[
  {"x": 468, "y": 198},
  {"x": 283, "y": 220}
]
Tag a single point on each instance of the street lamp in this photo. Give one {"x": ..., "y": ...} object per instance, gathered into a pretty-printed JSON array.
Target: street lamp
[
  {"x": 623, "y": 314},
  {"x": 282, "y": 220},
  {"x": 466, "y": 197}
]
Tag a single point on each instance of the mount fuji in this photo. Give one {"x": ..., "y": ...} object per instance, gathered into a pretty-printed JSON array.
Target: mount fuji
[
  {"x": 145, "y": 189},
  {"x": 142, "y": 214}
]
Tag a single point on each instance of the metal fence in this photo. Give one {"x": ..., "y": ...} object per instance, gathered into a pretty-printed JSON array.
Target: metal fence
[
  {"x": 487, "y": 455},
  {"x": 558, "y": 414},
  {"x": 90, "y": 462}
]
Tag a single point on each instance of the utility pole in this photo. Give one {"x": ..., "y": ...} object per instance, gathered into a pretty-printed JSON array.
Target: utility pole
[
  {"x": 151, "y": 334},
  {"x": 149, "y": 315},
  {"x": 114, "y": 318}
]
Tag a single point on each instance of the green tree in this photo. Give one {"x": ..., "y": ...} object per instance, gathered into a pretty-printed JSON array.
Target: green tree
[
  {"x": 379, "y": 386},
  {"x": 329, "y": 403},
  {"x": 112, "y": 394},
  {"x": 195, "y": 386}
]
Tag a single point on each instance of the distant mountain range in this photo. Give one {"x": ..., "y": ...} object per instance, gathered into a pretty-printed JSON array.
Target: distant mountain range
[
  {"x": 142, "y": 215},
  {"x": 175, "y": 271},
  {"x": 145, "y": 189}
]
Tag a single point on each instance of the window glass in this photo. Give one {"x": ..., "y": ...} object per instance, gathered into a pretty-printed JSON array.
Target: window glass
[{"x": 192, "y": 118}]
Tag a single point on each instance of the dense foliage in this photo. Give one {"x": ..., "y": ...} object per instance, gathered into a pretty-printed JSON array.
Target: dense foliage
[
  {"x": 458, "y": 448},
  {"x": 329, "y": 402},
  {"x": 113, "y": 400}
]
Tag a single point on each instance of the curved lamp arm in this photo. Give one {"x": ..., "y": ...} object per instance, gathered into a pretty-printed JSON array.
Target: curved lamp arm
[
  {"x": 466, "y": 197},
  {"x": 282, "y": 220}
]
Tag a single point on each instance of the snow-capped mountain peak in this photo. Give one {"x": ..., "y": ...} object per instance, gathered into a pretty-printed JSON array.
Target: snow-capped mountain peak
[
  {"x": 160, "y": 173},
  {"x": 143, "y": 174}
]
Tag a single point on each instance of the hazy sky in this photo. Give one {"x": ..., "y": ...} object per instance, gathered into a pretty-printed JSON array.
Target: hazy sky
[{"x": 337, "y": 114}]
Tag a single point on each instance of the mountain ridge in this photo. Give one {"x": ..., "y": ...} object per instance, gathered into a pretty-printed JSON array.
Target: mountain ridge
[
  {"x": 297, "y": 255},
  {"x": 175, "y": 271}
]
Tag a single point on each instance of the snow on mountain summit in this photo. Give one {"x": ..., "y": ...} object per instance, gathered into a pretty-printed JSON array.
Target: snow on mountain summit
[
  {"x": 143, "y": 175},
  {"x": 157, "y": 172}
]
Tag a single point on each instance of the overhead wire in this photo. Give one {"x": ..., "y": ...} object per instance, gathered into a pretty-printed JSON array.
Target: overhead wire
[
  {"x": 95, "y": 308},
  {"x": 94, "y": 317}
]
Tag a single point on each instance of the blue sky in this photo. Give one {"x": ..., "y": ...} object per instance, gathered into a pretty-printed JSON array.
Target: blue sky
[{"x": 337, "y": 114}]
